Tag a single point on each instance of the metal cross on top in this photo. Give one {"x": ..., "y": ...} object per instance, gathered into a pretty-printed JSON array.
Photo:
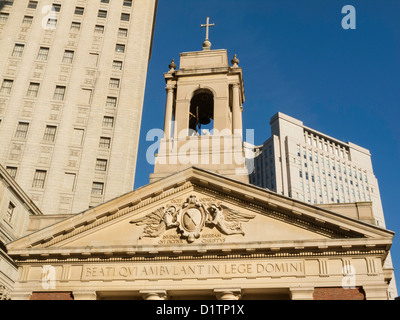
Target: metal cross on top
[{"x": 207, "y": 25}]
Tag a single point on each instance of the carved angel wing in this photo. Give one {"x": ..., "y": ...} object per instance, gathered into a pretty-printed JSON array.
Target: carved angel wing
[
  {"x": 232, "y": 215},
  {"x": 153, "y": 222}
]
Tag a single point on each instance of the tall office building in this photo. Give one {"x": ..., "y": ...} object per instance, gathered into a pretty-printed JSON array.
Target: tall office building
[
  {"x": 72, "y": 82},
  {"x": 307, "y": 165}
]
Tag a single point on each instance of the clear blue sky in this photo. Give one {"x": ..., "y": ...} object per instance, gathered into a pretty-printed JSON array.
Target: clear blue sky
[{"x": 297, "y": 59}]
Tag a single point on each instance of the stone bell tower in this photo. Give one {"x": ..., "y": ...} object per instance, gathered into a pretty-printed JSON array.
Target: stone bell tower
[{"x": 203, "y": 115}]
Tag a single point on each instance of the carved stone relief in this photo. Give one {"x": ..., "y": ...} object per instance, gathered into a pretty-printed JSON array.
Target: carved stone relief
[{"x": 190, "y": 218}]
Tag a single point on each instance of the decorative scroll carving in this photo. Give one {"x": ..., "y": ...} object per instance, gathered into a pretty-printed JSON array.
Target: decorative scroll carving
[{"x": 191, "y": 219}]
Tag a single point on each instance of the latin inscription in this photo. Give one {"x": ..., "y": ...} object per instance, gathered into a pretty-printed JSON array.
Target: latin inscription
[
  {"x": 205, "y": 238},
  {"x": 190, "y": 271}
]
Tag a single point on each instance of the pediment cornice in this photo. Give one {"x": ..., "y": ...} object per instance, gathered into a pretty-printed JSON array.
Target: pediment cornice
[{"x": 331, "y": 225}]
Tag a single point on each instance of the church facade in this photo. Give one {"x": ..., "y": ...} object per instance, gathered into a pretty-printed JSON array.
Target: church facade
[{"x": 199, "y": 230}]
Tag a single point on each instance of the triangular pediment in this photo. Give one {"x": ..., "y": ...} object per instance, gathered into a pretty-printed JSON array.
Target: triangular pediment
[{"x": 199, "y": 211}]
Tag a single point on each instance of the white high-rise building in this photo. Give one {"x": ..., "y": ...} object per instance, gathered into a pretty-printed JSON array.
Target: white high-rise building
[
  {"x": 72, "y": 83},
  {"x": 307, "y": 165}
]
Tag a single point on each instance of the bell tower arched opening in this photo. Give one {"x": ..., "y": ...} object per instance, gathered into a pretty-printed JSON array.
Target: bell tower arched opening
[{"x": 201, "y": 116}]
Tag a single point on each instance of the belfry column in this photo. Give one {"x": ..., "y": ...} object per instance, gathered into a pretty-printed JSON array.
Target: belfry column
[
  {"x": 168, "y": 112},
  {"x": 170, "y": 101},
  {"x": 236, "y": 112}
]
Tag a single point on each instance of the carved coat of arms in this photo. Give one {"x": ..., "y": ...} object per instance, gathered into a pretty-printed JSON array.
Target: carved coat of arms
[{"x": 191, "y": 218}]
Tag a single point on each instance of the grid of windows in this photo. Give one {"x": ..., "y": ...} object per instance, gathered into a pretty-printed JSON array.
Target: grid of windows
[
  {"x": 22, "y": 130},
  {"x": 340, "y": 180},
  {"x": 39, "y": 179}
]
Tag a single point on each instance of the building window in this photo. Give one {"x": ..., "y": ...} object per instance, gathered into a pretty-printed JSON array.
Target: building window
[
  {"x": 79, "y": 11},
  {"x": 105, "y": 1},
  {"x": 39, "y": 179},
  {"x": 105, "y": 143},
  {"x": 6, "y": 87},
  {"x": 51, "y": 24},
  {"x": 111, "y": 102},
  {"x": 4, "y": 17},
  {"x": 120, "y": 48},
  {"x": 68, "y": 56},
  {"x": 33, "y": 90},
  {"x": 108, "y": 122},
  {"x": 114, "y": 83},
  {"x": 97, "y": 188},
  {"x": 12, "y": 171},
  {"x": 102, "y": 14},
  {"x": 98, "y": 29},
  {"x": 75, "y": 26},
  {"x": 43, "y": 54},
  {"x": 127, "y": 3},
  {"x": 59, "y": 93},
  {"x": 123, "y": 33},
  {"x": 101, "y": 165},
  {"x": 18, "y": 50},
  {"x": 56, "y": 7},
  {"x": 50, "y": 133},
  {"x": 7, "y": 2},
  {"x": 117, "y": 65},
  {"x": 27, "y": 21},
  {"x": 32, "y": 4},
  {"x": 125, "y": 16},
  {"x": 22, "y": 130},
  {"x": 10, "y": 211}
]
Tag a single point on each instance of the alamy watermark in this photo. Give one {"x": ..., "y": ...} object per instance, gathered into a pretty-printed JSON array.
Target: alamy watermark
[
  {"x": 212, "y": 147},
  {"x": 349, "y": 21}
]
